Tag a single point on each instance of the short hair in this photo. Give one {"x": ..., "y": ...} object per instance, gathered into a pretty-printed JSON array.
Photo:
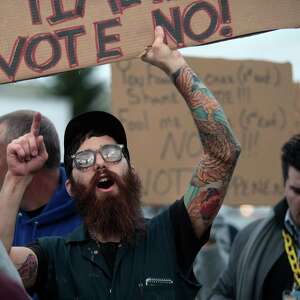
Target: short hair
[
  {"x": 19, "y": 123},
  {"x": 290, "y": 156}
]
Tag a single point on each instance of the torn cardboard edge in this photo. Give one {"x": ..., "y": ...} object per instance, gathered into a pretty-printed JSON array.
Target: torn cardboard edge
[{"x": 40, "y": 40}]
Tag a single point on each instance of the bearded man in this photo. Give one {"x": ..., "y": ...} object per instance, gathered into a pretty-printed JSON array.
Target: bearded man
[{"x": 116, "y": 254}]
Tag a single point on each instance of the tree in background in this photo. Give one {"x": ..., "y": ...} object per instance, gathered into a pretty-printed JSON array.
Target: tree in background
[{"x": 80, "y": 87}]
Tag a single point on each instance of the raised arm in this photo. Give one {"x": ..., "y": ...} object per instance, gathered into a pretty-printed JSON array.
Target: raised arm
[
  {"x": 221, "y": 149},
  {"x": 25, "y": 156}
]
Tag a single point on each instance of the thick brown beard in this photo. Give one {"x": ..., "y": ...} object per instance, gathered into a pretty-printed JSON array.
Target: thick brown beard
[{"x": 111, "y": 216}]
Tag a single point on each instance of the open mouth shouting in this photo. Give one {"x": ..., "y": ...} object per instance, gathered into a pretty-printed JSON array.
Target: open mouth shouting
[{"x": 105, "y": 182}]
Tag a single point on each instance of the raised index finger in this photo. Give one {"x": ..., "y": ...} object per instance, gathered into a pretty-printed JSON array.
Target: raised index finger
[
  {"x": 36, "y": 123},
  {"x": 159, "y": 36}
]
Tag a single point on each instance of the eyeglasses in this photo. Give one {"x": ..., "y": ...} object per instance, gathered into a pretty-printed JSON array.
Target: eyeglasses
[{"x": 87, "y": 158}]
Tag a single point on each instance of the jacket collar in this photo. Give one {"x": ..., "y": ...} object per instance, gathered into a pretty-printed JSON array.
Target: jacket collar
[
  {"x": 80, "y": 234},
  {"x": 280, "y": 210}
]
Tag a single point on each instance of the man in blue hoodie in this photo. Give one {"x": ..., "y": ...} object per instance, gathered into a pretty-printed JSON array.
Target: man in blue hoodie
[{"x": 46, "y": 208}]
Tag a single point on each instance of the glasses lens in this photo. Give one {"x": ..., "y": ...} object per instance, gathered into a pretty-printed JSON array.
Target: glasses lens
[
  {"x": 84, "y": 159},
  {"x": 112, "y": 153}
]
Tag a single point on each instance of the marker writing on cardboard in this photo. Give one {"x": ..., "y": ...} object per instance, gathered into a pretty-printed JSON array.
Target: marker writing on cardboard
[
  {"x": 226, "y": 30},
  {"x": 118, "y": 6}
]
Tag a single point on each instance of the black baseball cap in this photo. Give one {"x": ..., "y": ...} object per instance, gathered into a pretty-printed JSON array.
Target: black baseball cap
[{"x": 100, "y": 122}]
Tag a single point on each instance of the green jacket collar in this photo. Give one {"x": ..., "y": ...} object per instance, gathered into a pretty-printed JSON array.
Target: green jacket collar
[{"x": 80, "y": 234}]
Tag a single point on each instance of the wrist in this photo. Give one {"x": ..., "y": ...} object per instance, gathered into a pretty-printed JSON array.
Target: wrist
[
  {"x": 176, "y": 63},
  {"x": 11, "y": 179},
  {"x": 13, "y": 189}
]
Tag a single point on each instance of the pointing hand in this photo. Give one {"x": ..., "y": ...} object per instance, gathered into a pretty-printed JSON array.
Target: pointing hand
[{"x": 27, "y": 154}]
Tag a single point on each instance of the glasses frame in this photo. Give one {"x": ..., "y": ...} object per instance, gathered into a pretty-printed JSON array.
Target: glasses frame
[{"x": 94, "y": 152}]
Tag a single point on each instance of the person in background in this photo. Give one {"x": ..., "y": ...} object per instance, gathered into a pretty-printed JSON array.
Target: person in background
[
  {"x": 115, "y": 254},
  {"x": 264, "y": 259},
  {"x": 7, "y": 267},
  {"x": 11, "y": 286},
  {"x": 46, "y": 208},
  {"x": 9, "y": 289},
  {"x": 213, "y": 258}
]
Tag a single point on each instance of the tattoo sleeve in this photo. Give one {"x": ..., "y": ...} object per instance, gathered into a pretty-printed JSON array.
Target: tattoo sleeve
[
  {"x": 221, "y": 149},
  {"x": 28, "y": 270}
]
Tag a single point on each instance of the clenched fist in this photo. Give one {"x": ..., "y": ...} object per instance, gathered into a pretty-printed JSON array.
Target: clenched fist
[{"x": 160, "y": 55}]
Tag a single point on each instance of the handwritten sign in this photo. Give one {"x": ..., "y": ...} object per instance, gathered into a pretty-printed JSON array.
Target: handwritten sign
[
  {"x": 259, "y": 99},
  {"x": 297, "y": 106},
  {"x": 40, "y": 38}
]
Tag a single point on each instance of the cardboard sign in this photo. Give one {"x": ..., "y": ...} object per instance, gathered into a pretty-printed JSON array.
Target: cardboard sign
[
  {"x": 260, "y": 100},
  {"x": 297, "y": 106},
  {"x": 40, "y": 38}
]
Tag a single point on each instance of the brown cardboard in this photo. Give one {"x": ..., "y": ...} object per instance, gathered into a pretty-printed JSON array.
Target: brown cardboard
[
  {"x": 297, "y": 107},
  {"x": 259, "y": 99},
  {"x": 40, "y": 38}
]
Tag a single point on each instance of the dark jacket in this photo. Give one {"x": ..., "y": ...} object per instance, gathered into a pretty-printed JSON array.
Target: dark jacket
[
  {"x": 58, "y": 218},
  {"x": 74, "y": 267},
  {"x": 257, "y": 261}
]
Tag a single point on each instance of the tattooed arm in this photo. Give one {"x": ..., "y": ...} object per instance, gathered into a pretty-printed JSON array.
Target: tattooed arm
[
  {"x": 25, "y": 156},
  {"x": 23, "y": 258},
  {"x": 26, "y": 263},
  {"x": 211, "y": 177}
]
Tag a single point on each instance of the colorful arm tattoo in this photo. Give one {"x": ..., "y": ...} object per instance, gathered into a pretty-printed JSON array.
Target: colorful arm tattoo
[
  {"x": 28, "y": 270},
  {"x": 209, "y": 183}
]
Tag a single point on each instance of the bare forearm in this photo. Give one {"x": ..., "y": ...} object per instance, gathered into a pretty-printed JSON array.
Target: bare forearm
[
  {"x": 11, "y": 195},
  {"x": 208, "y": 186}
]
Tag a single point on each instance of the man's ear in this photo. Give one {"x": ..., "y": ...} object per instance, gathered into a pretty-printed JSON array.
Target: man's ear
[{"x": 68, "y": 187}]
